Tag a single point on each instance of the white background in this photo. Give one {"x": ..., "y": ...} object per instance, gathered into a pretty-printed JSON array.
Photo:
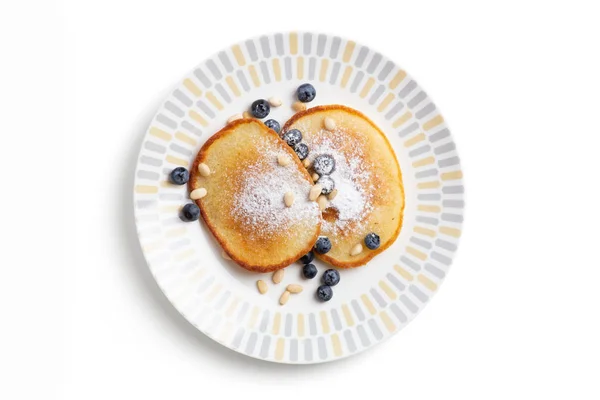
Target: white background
[{"x": 518, "y": 316}]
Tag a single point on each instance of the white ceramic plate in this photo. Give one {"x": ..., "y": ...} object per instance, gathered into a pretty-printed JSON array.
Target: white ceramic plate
[{"x": 371, "y": 303}]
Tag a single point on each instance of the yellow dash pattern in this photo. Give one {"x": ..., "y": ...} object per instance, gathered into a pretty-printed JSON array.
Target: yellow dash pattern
[
  {"x": 277, "y": 69},
  {"x": 183, "y": 255},
  {"x": 159, "y": 133},
  {"x": 293, "y": 43},
  {"x": 365, "y": 90},
  {"x": 446, "y": 230},
  {"x": 300, "y": 68},
  {"x": 239, "y": 56},
  {"x": 145, "y": 189},
  {"x": 153, "y": 246},
  {"x": 420, "y": 255},
  {"x": 337, "y": 345},
  {"x": 214, "y": 101},
  {"x": 185, "y": 138},
  {"x": 449, "y": 176},
  {"x": 279, "y": 349},
  {"x": 432, "y": 123},
  {"x": 429, "y": 208},
  {"x": 424, "y": 231},
  {"x": 387, "y": 321},
  {"x": 424, "y": 161},
  {"x": 196, "y": 276},
  {"x": 175, "y": 160},
  {"x": 232, "y": 307},
  {"x": 175, "y": 232},
  {"x": 412, "y": 141},
  {"x": 346, "y": 76},
  {"x": 387, "y": 290},
  {"x": 253, "y": 318},
  {"x": 172, "y": 208},
  {"x": 367, "y": 302},
  {"x": 402, "y": 119},
  {"x": 213, "y": 293},
  {"x": 348, "y": 51},
  {"x": 198, "y": 118},
  {"x": 225, "y": 334},
  {"x": 386, "y": 102},
  {"x": 191, "y": 86},
  {"x": 399, "y": 77},
  {"x": 347, "y": 315},
  {"x": 403, "y": 273},
  {"x": 428, "y": 185},
  {"x": 168, "y": 184},
  {"x": 254, "y": 75},
  {"x": 324, "y": 322},
  {"x": 428, "y": 283},
  {"x": 276, "y": 324},
  {"x": 300, "y": 325},
  {"x": 324, "y": 66},
  {"x": 233, "y": 86}
]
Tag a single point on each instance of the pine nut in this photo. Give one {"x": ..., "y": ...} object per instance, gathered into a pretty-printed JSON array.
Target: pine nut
[
  {"x": 275, "y": 101},
  {"x": 329, "y": 123},
  {"x": 262, "y": 286},
  {"x": 277, "y": 276},
  {"x": 299, "y": 106},
  {"x": 283, "y": 160},
  {"x": 294, "y": 288},
  {"x": 203, "y": 169},
  {"x": 284, "y": 297},
  {"x": 235, "y": 117},
  {"x": 198, "y": 193},
  {"x": 332, "y": 195},
  {"x": 315, "y": 177},
  {"x": 288, "y": 199},
  {"x": 225, "y": 255},
  {"x": 315, "y": 191},
  {"x": 247, "y": 114},
  {"x": 356, "y": 250},
  {"x": 306, "y": 163},
  {"x": 322, "y": 202}
]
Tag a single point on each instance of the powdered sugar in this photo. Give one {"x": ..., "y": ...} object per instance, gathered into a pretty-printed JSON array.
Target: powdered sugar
[{"x": 260, "y": 203}]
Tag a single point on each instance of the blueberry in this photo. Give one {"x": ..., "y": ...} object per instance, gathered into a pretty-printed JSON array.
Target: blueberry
[
  {"x": 323, "y": 245},
  {"x": 260, "y": 108},
  {"x": 324, "y": 164},
  {"x": 324, "y": 293},
  {"x": 190, "y": 212},
  {"x": 327, "y": 183},
  {"x": 271, "y": 123},
  {"x": 179, "y": 176},
  {"x": 331, "y": 277},
  {"x": 306, "y": 92},
  {"x": 307, "y": 258},
  {"x": 309, "y": 271},
  {"x": 372, "y": 241},
  {"x": 301, "y": 150},
  {"x": 292, "y": 137}
]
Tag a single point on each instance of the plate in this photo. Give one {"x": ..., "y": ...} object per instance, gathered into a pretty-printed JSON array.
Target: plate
[{"x": 371, "y": 303}]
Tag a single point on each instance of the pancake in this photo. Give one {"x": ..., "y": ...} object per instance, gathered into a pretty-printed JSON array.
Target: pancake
[
  {"x": 244, "y": 207},
  {"x": 370, "y": 195}
]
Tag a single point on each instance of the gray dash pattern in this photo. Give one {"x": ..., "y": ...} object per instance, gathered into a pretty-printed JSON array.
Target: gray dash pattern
[
  {"x": 307, "y": 42},
  {"x": 251, "y": 343},
  {"x": 322, "y": 347},
  {"x": 214, "y": 70},
  {"x": 394, "y": 110},
  {"x": 205, "y": 108},
  {"x": 221, "y": 90},
  {"x": 222, "y": 300},
  {"x": 398, "y": 313},
  {"x": 251, "y": 50},
  {"x": 202, "y": 77},
  {"x": 335, "y": 47},
  {"x": 374, "y": 63},
  {"x": 264, "y": 321},
  {"x": 237, "y": 339},
  {"x": 182, "y": 97},
  {"x": 419, "y": 150},
  {"x": 178, "y": 243},
  {"x": 385, "y": 71},
  {"x": 357, "y": 310},
  {"x": 453, "y": 189},
  {"x": 206, "y": 284},
  {"x": 378, "y": 298},
  {"x": 409, "y": 129},
  {"x": 453, "y": 203},
  {"x": 242, "y": 78},
  {"x": 308, "y": 351},
  {"x": 149, "y": 175},
  {"x": 357, "y": 79},
  {"x": 452, "y": 217},
  {"x": 242, "y": 312},
  {"x": 337, "y": 323},
  {"x": 163, "y": 119},
  {"x": 287, "y": 62},
  {"x": 312, "y": 324},
  {"x": 157, "y": 148},
  {"x": 395, "y": 281},
  {"x": 376, "y": 94},
  {"x": 429, "y": 196},
  {"x": 422, "y": 297},
  {"x": 312, "y": 66},
  {"x": 146, "y": 204},
  {"x": 428, "y": 109},
  {"x": 225, "y": 61},
  {"x": 441, "y": 258},
  {"x": 362, "y": 335},
  {"x": 410, "y": 86},
  {"x": 264, "y": 46},
  {"x": 375, "y": 329},
  {"x": 294, "y": 350},
  {"x": 418, "y": 98},
  {"x": 435, "y": 271},
  {"x": 155, "y": 162},
  {"x": 180, "y": 149},
  {"x": 191, "y": 128},
  {"x": 410, "y": 263},
  {"x": 349, "y": 340},
  {"x": 279, "y": 44},
  {"x": 360, "y": 59},
  {"x": 447, "y": 162},
  {"x": 334, "y": 73},
  {"x": 170, "y": 196},
  {"x": 264, "y": 348},
  {"x": 408, "y": 303},
  {"x": 288, "y": 325},
  {"x": 420, "y": 242},
  {"x": 445, "y": 245},
  {"x": 445, "y": 148},
  {"x": 321, "y": 39},
  {"x": 434, "y": 137},
  {"x": 426, "y": 173},
  {"x": 265, "y": 72},
  {"x": 428, "y": 220}
]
